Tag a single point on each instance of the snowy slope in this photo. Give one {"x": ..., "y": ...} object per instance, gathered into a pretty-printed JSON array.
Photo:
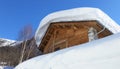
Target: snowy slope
[
  {"x": 99, "y": 54},
  {"x": 6, "y": 42},
  {"x": 76, "y": 14}
]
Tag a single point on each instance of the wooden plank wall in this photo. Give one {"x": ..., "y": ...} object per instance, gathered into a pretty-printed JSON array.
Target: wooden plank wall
[{"x": 66, "y": 34}]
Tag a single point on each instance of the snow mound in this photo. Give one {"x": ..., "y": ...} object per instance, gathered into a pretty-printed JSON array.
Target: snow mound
[
  {"x": 76, "y": 14},
  {"x": 100, "y": 54}
]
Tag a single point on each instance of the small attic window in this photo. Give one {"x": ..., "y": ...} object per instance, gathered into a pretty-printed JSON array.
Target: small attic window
[{"x": 61, "y": 35}]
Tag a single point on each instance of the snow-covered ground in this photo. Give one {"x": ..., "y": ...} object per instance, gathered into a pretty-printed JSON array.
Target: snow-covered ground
[{"x": 99, "y": 54}]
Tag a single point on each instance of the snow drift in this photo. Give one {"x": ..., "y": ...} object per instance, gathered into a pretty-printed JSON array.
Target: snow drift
[{"x": 100, "y": 54}]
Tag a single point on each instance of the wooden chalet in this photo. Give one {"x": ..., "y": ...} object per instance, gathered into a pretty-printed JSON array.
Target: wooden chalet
[
  {"x": 62, "y": 35},
  {"x": 73, "y": 27}
]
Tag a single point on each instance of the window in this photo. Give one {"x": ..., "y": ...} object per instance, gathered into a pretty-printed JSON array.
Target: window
[{"x": 56, "y": 49}]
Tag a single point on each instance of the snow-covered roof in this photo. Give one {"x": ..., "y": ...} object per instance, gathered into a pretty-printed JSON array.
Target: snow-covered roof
[
  {"x": 76, "y": 14},
  {"x": 105, "y": 55}
]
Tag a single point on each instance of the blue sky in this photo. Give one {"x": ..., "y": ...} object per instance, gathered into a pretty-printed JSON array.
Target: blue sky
[{"x": 15, "y": 14}]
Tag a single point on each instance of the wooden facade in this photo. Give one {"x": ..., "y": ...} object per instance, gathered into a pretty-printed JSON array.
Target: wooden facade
[{"x": 61, "y": 35}]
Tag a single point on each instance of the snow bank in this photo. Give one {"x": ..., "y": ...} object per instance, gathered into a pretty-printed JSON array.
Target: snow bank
[
  {"x": 100, "y": 54},
  {"x": 77, "y": 14}
]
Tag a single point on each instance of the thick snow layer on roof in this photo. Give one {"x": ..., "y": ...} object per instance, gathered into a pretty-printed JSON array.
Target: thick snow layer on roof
[
  {"x": 100, "y": 54},
  {"x": 77, "y": 14}
]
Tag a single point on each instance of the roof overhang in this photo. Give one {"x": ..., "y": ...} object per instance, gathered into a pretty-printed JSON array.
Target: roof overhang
[{"x": 77, "y": 14}]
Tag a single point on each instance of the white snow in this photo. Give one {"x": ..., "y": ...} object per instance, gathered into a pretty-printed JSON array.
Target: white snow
[
  {"x": 99, "y": 54},
  {"x": 1, "y": 67},
  {"x": 6, "y": 67},
  {"x": 5, "y": 42},
  {"x": 77, "y": 14}
]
